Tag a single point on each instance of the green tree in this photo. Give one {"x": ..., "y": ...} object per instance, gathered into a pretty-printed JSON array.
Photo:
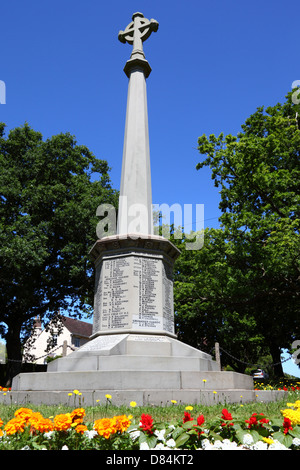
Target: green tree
[
  {"x": 258, "y": 173},
  {"x": 48, "y": 202},
  {"x": 208, "y": 291}
]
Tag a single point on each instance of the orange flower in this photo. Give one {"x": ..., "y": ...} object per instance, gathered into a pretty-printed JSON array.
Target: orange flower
[
  {"x": 62, "y": 422},
  {"x": 80, "y": 428},
  {"x": 23, "y": 413},
  {"x": 104, "y": 427},
  {"x": 40, "y": 424},
  {"x": 121, "y": 423},
  {"x": 78, "y": 415},
  {"x": 14, "y": 426},
  {"x": 1, "y": 422}
]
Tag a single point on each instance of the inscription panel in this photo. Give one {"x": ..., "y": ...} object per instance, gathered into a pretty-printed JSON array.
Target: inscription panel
[{"x": 134, "y": 292}]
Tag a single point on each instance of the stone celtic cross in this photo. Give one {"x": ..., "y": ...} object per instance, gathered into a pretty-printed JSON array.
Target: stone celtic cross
[{"x": 137, "y": 32}]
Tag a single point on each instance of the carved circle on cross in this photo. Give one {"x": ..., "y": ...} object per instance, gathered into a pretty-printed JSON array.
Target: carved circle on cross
[{"x": 138, "y": 30}]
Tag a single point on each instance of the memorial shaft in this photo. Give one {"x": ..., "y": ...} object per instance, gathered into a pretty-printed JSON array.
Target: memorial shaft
[{"x": 135, "y": 203}]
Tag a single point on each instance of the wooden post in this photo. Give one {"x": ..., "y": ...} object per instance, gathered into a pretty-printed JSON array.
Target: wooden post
[{"x": 217, "y": 353}]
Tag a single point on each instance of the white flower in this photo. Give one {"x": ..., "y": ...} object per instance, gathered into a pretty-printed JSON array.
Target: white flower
[
  {"x": 135, "y": 434},
  {"x": 65, "y": 447},
  {"x": 144, "y": 446},
  {"x": 26, "y": 448},
  {"x": 206, "y": 445},
  {"x": 160, "y": 434},
  {"x": 247, "y": 439},
  {"x": 90, "y": 434},
  {"x": 228, "y": 445},
  {"x": 276, "y": 445},
  {"x": 171, "y": 443},
  {"x": 259, "y": 445},
  {"x": 159, "y": 446},
  {"x": 48, "y": 435},
  {"x": 296, "y": 441},
  {"x": 218, "y": 445}
]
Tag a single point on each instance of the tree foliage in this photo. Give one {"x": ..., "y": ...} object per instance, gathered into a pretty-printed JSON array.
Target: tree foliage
[
  {"x": 48, "y": 202},
  {"x": 258, "y": 173}
]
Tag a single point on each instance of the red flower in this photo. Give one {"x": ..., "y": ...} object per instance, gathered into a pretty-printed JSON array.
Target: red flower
[
  {"x": 254, "y": 422},
  {"x": 187, "y": 417},
  {"x": 200, "y": 420},
  {"x": 227, "y": 417},
  {"x": 287, "y": 425},
  {"x": 146, "y": 423}
]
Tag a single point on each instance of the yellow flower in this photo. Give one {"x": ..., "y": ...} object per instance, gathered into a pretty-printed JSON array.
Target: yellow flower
[
  {"x": 268, "y": 440},
  {"x": 215, "y": 391},
  {"x": 76, "y": 392},
  {"x": 132, "y": 404},
  {"x": 108, "y": 396},
  {"x": 70, "y": 394},
  {"x": 189, "y": 408},
  {"x": 204, "y": 380},
  {"x": 174, "y": 401}
]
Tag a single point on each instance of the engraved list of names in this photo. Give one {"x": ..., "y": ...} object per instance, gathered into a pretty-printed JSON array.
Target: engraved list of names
[{"x": 133, "y": 293}]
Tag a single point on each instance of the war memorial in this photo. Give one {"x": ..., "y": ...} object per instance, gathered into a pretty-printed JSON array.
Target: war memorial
[{"x": 133, "y": 353}]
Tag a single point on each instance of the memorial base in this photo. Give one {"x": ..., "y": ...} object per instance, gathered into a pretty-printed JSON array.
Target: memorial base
[{"x": 147, "y": 369}]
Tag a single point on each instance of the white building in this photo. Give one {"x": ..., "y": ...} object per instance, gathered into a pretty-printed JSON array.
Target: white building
[{"x": 74, "y": 334}]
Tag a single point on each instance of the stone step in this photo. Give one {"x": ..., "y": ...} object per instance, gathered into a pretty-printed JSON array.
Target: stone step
[
  {"x": 132, "y": 380},
  {"x": 131, "y": 362}
]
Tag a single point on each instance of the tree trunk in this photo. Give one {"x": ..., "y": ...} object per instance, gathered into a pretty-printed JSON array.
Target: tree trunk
[
  {"x": 275, "y": 351},
  {"x": 14, "y": 352}
]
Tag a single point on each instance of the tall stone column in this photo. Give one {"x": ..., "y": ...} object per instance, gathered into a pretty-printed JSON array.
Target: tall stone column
[
  {"x": 135, "y": 204},
  {"x": 134, "y": 268}
]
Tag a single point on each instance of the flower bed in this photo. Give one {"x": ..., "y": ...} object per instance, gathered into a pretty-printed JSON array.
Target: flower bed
[{"x": 31, "y": 430}]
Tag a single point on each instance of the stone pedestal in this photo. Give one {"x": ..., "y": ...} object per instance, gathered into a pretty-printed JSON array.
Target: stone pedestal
[{"x": 134, "y": 285}]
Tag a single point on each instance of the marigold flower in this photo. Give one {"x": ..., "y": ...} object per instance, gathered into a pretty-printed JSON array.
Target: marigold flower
[
  {"x": 15, "y": 425},
  {"x": 1, "y": 422},
  {"x": 77, "y": 415},
  {"x": 81, "y": 428},
  {"x": 62, "y": 422},
  {"x": 23, "y": 413},
  {"x": 121, "y": 423},
  {"x": 40, "y": 424},
  {"x": 104, "y": 427}
]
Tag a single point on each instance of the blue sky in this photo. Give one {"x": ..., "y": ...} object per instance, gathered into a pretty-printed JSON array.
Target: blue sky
[{"x": 213, "y": 63}]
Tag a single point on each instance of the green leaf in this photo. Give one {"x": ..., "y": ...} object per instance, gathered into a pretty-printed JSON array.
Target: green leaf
[
  {"x": 182, "y": 439},
  {"x": 295, "y": 432}
]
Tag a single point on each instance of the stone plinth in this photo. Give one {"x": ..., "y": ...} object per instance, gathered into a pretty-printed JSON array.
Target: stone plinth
[
  {"x": 134, "y": 285},
  {"x": 149, "y": 369}
]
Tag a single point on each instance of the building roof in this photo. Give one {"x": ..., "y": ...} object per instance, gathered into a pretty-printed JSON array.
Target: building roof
[{"x": 78, "y": 327}]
